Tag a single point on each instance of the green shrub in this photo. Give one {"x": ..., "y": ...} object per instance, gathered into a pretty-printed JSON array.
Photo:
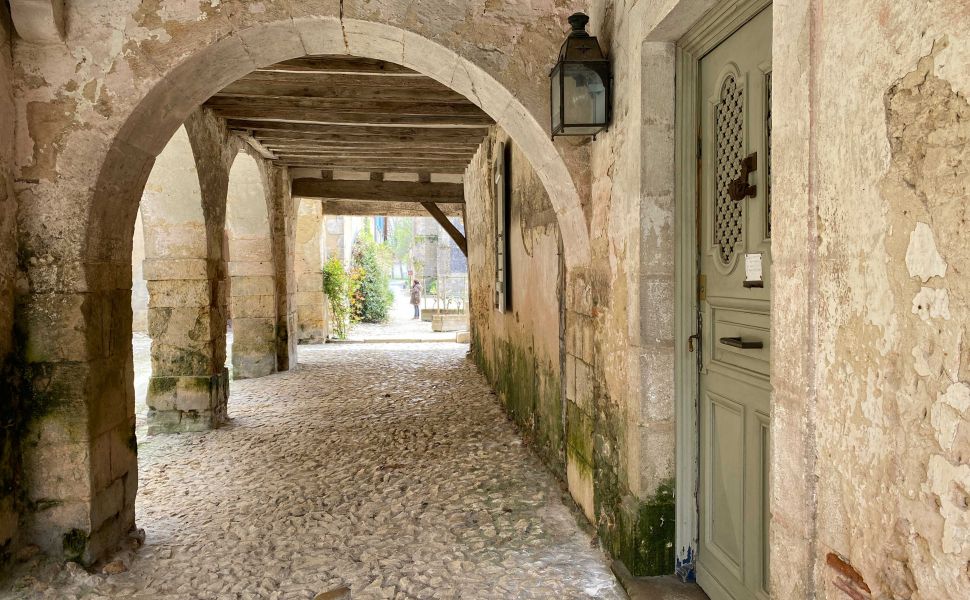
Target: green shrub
[
  {"x": 370, "y": 288},
  {"x": 336, "y": 285}
]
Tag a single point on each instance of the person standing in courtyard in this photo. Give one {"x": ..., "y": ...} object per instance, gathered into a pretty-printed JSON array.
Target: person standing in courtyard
[{"x": 416, "y": 298}]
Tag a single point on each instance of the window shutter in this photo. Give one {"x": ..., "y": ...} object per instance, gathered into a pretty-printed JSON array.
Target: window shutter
[{"x": 498, "y": 181}]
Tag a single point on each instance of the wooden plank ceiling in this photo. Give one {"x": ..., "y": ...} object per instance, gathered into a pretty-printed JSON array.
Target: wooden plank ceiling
[{"x": 339, "y": 113}]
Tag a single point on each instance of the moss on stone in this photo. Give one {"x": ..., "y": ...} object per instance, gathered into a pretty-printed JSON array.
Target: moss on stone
[
  {"x": 162, "y": 385},
  {"x": 579, "y": 434},
  {"x": 638, "y": 533},
  {"x": 653, "y": 541},
  {"x": 74, "y": 544},
  {"x": 530, "y": 394}
]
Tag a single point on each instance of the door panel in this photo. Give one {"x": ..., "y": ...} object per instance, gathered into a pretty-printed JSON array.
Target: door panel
[
  {"x": 735, "y": 264},
  {"x": 726, "y": 492}
]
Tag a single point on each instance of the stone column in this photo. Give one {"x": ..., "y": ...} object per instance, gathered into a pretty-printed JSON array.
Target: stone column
[
  {"x": 310, "y": 300},
  {"x": 188, "y": 389},
  {"x": 185, "y": 272},
  {"x": 334, "y": 243},
  {"x": 282, "y": 218},
  {"x": 253, "y": 319},
  {"x": 252, "y": 271},
  {"x": 79, "y": 454}
]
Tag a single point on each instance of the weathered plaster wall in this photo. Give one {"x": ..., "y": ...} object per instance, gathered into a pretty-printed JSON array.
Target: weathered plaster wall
[
  {"x": 518, "y": 350},
  {"x": 9, "y": 380},
  {"x": 889, "y": 177}
]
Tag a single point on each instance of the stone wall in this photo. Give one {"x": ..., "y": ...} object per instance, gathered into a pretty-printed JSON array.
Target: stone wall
[
  {"x": 518, "y": 350},
  {"x": 311, "y": 303},
  {"x": 875, "y": 250},
  {"x": 9, "y": 405}
]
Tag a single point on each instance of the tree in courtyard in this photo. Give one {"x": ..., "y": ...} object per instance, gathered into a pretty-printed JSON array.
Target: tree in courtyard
[{"x": 370, "y": 287}]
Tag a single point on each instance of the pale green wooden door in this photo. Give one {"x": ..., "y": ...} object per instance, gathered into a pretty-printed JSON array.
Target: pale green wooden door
[{"x": 735, "y": 264}]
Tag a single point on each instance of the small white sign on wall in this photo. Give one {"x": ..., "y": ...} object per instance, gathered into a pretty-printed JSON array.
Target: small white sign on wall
[{"x": 752, "y": 267}]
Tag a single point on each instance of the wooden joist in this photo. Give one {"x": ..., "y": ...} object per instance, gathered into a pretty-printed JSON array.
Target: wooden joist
[
  {"x": 345, "y": 105},
  {"x": 333, "y": 132},
  {"x": 341, "y": 64},
  {"x": 349, "y": 114},
  {"x": 457, "y": 236},
  {"x": 374, "y": 191},
  {"x": 334, "y": 117},
  {"x": 281, "y": 85},
  {"x": 375, "y": 154},
  {"x": 464, "y": 150},
  {"x": 372, "y": 167},
  {"x": 387, "y": 209}
]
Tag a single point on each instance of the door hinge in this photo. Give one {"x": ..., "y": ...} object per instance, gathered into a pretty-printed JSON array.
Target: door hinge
[{"x": 701, "y": 287}]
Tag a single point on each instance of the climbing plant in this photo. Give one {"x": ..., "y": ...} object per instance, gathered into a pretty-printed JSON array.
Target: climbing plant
[
  {"x": 336, "y": 285},
  {"x": 371, "y": 295}
]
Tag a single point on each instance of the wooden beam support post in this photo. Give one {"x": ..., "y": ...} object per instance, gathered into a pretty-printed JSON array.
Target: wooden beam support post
[{"x": 447, "y": 225}]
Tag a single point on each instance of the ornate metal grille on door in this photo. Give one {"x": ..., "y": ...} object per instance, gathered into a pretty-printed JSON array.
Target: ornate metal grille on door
[{"x": 728, "y": 152}]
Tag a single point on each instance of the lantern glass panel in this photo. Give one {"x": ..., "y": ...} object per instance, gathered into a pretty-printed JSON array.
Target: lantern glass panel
[
  {"x": 557, "y": 97},
  {"x": 584, "y": 95}
]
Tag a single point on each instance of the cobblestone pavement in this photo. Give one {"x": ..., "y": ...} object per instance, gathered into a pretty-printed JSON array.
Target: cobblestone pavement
[
  {"x": 388, "y": 469},
  {"x": 401, "y": 324}
]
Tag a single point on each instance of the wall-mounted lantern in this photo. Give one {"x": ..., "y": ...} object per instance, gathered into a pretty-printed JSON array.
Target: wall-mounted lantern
[{"x": 581, "y": 81}]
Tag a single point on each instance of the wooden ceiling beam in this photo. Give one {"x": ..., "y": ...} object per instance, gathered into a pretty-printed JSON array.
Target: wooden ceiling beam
[
  {"x": 347, "y": 105},
  {"x": 387, "y": 209},
  {"x": 418, "y": 161},
  {"x": 334, "y": 131},
  {"x": 372, "y": 166},
  {"x": 372, "y": 145},
  {"x": 453, "y": 232},
  {"x": 341, "y": 64},
  {"x": 393, "y": 154},
  {"x": 330, "y": 117},
  {"x": 247, "y": 88},
  {"x": 397, "y": 191}
]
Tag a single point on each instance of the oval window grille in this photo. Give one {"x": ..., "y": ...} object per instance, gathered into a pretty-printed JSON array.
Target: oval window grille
[{"x": 728, "y": 152}]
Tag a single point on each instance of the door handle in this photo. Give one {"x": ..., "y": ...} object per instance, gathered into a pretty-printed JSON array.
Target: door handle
[
  {"x": 739, "y": 188},
  {"x": 740, "y": 342},
  {"x": 690, "y": 342}
]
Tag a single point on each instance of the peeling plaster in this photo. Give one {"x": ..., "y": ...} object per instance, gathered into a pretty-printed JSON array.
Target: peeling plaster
[
  {"x": 932, "y": 303},
  {"x": 922, "y": 258}
]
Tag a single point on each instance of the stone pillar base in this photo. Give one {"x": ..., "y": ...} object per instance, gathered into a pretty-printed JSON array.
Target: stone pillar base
[
  {"x": 253, "y": 347},
  {"x": 187, "y": 403}
]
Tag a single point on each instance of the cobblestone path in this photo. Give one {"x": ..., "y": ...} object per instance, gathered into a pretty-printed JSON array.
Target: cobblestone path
[{"x": 389, "y": 469}]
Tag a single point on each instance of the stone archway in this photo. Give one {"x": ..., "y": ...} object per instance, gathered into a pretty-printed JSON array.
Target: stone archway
[
  {"x": 252, "y": 307},
  {"x": 83, "y": 293}
]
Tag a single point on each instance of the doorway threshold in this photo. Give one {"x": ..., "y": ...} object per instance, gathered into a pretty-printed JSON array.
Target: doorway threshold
[{"x": 667, "y": 587}]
